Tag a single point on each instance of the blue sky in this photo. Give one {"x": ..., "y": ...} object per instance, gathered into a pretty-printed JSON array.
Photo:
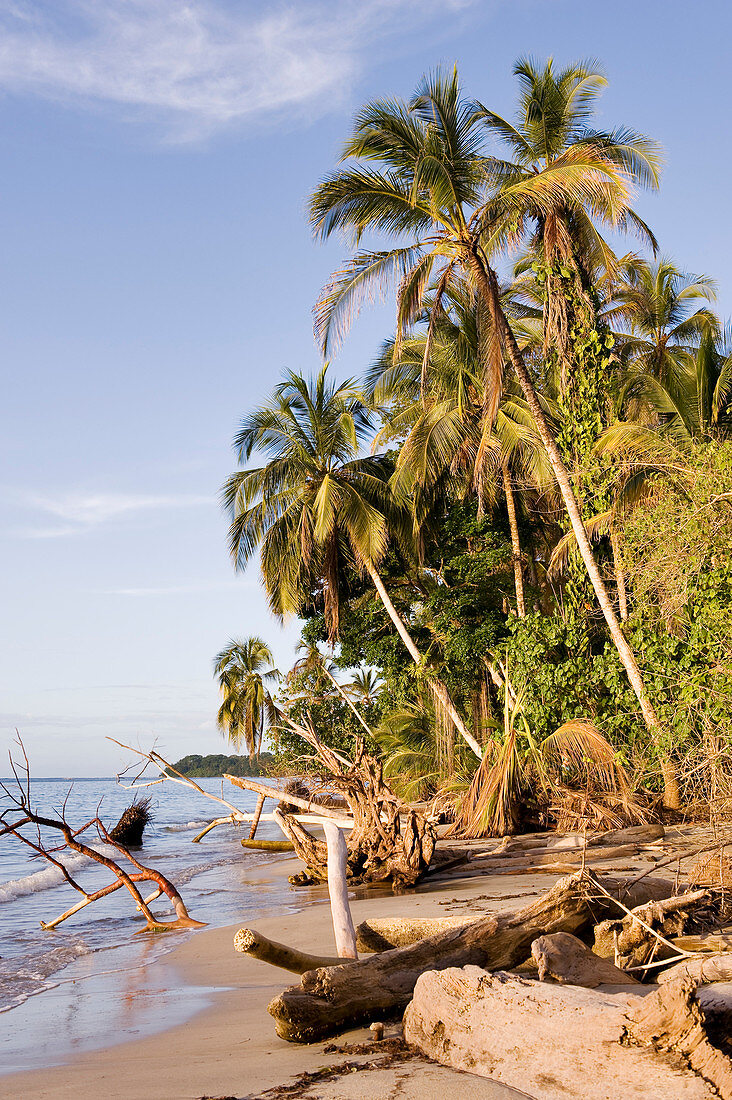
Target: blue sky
[{"x": 157, "y": 274}]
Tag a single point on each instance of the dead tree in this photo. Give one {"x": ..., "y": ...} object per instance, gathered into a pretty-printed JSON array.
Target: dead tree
[
  {"x": 389, "y": 842},
  {"x": 21, "y": 815}
]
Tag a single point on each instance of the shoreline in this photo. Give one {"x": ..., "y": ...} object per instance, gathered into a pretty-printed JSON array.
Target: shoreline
[{"x": 227, "y": 1046}]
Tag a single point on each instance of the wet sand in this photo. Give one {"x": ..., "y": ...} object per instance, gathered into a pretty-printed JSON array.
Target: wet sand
[{"x": 195, "y": 1023}]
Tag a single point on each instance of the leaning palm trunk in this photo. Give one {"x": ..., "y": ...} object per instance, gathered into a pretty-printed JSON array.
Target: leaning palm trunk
[
  {"x": 619, "y": 576},
  {"x": 438, "y": 689},
  {"x": 488, "y": 286},
  {"x": 515, "y": 541}
]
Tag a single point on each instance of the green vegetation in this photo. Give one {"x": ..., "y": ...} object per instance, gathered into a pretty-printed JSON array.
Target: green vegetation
[
  {"x": 216, "y": 764},
  {"x": 513, "y": 533}
]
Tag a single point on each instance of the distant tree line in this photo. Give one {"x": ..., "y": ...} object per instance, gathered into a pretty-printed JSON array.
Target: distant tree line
[{"x": 216, "y": 764}]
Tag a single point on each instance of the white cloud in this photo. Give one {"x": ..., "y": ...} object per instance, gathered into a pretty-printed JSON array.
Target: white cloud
[
  {"x": 198, "y": 65},
  {"x": 78, "y": 512}
]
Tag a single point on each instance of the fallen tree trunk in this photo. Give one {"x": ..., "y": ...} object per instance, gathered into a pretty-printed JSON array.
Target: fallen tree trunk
[
  {"x": 328, "y": 1000},
  {"x": 257, "y": 946},
  {"x": 631, "y": 940},
  {"x": 545, "y": 1040}
]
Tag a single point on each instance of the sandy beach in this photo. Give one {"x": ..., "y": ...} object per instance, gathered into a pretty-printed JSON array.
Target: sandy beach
[{"x": 228, "y": 1047}]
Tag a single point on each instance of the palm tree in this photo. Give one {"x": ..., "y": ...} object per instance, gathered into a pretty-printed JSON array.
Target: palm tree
[
  {"x": 316, "y": 505},
  {"x": 440, "y": 405},
  {"x": 247, "y": 706},
  {"x": 419, "y": 175},
  {"x": 365, "y": 686},
  {"x": 657, "y": 301},
  {"x": 550, "y": 143}
]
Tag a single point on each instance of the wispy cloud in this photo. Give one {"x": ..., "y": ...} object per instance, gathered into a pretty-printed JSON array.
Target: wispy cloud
[
  {"x": 75, "y": 513},
  {"x": 198, "y": 65}
]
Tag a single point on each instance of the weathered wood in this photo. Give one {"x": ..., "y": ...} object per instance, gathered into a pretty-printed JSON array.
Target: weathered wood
[
  {"x": 566, "y": 959},
  {"x": 257, "y": 815},
  {"x": 268, "y": 845},
  {"x": 705, "y": 968},
  {"x": 329, "y": 1000},
  {"x": 383, "y": 934},
  {"x": 249, "y": 942},
  {"x": 631, "y": 940},
  {"x": 547, "y": 1041},
  {"x": 672, "y": 1020},
  {"x": 340, "y": 910},
  {"x": 634, "y": 834},
  {"x": 309, "y": 805}
]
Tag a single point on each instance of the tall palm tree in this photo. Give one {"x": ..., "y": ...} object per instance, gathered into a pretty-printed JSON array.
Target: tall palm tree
[
  {"x": 551, "y": 140},
  {"x": 316, "y": 505},
  {"x": 418, "y": 175},
  {"x": 657, "y": 301},
  {"x": 244, "y": 668}
]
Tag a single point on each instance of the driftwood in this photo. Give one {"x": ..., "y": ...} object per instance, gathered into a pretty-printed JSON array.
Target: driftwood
[
  {"x": 343, "y": 930},
  {"x": 20, "y": 813},
  {"x": 131, "y": 825},
  {"x": 632, "y": 940},
  {"x": 257, "y": 946},
  {"x": 545, "y": 1040},
  {"x": 331, "y": 999},
  {"x": 384, "y": 934},
  {"x": 703, "y": 968},
  {"x": 388, "y": 842},
  {"x": 565, "y": 959},
  {"x": 673, "y": 1021},
  {"x": 268, "y": 845}
]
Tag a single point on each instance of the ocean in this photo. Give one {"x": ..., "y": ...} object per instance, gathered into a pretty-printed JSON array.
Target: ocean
[{"x": 211, "y": 877}]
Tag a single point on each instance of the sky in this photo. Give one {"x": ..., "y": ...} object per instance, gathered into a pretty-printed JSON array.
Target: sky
[{"x": 157, "y": 274}]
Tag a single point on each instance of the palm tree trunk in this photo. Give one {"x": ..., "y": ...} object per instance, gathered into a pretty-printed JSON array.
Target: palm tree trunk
[
  {"x": 437, "y": 687},
  {"x": 488, "y": 286},
  {"x": 619, "y": 576},
  {"x": 515, "y": 541}
]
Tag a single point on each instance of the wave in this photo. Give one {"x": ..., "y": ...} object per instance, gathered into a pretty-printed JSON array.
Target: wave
[
  {"x": 178, "y": 827},
  {"x": 47, "y": 879}
]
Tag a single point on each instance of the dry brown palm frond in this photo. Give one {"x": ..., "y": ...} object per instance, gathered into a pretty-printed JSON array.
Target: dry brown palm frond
[
  {"x": 579, "y": 747},
  {"x": 574, "y": 811}
]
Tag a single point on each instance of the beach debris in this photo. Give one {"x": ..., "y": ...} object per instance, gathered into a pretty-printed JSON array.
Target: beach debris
[
  {"x": 383, "y": 934},
  {"x": 701, "y": 969},
  {"x": 564, "y": 958},
  {"x": 377, "y": 1030},
  {"x": 20, "y": 814},
  {"x": 636, "y": 939},
  {"x": 388, "y": 842},
  {"x": 549, "y": 1040},
  {"x": 252, "y": 943},
  {"x": 131, "y": 825},
  {"x": 268, "y": 845},
  {"x": 331, "y": 999}
]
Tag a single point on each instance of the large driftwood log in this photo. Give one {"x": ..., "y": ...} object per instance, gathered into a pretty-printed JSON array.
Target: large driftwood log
[
  {"x": 388, "y": 842},
  {"x": 384, "y": 934},
  {"x": 328, "y": 1000},
  {"x": 545, "y": 1040},
  {"x": 252, "y": 943},
  {"x": 565, "y": 959}
]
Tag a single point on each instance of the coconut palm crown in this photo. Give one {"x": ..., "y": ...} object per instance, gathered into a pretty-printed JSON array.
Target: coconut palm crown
[{"x": 244, "y": 668}]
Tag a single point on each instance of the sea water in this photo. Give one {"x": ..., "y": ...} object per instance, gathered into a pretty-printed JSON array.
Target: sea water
[{"x": 211, "y": 877}]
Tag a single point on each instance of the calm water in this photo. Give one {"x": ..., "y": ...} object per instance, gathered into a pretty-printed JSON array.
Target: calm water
[{"x": 211, "y": 877}]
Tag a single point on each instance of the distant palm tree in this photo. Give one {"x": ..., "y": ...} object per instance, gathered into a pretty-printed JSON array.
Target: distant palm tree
[
  {"x": 244, "y": 668},
  {"x": 365, "y": 686}
]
